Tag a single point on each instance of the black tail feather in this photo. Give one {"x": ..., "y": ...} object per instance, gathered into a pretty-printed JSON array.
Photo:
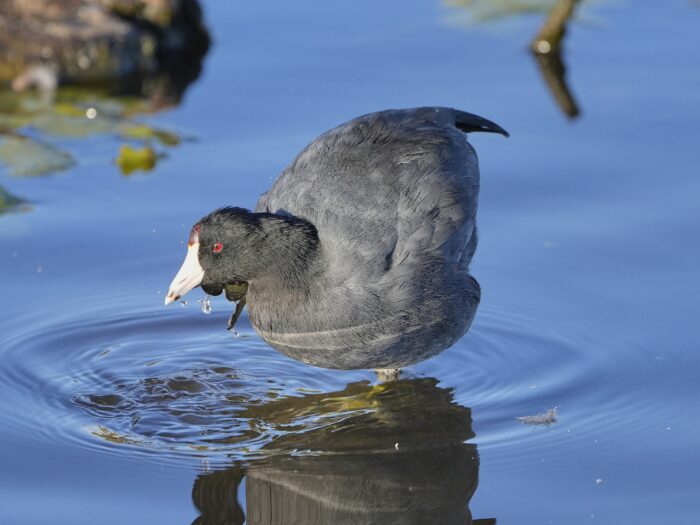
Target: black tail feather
[{"x": 470, "y": 123}]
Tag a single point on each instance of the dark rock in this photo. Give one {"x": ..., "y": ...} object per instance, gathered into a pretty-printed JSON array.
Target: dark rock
[{"x": 144, "y": 47}]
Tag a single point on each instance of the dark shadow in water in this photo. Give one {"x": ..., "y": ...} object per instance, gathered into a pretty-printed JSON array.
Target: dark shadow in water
[{"x": 403, "y": 461}]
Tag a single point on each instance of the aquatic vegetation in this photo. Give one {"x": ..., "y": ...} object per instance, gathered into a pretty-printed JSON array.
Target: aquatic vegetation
[
  {"x": 30, "y": 123},
  {"x": 135, "y": 131},
  {"x": 26, "y": 157},
  {"x": 132, "y": 159},
  {"x": 94, "y": 65}
]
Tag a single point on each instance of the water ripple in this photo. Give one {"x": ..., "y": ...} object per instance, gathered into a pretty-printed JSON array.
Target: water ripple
[
  {"x": 512, "y": 364},
  {"x": 176, "y": 387}
]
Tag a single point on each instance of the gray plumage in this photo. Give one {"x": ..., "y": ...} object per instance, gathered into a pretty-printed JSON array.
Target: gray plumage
[{"x": 358, "y": 256}]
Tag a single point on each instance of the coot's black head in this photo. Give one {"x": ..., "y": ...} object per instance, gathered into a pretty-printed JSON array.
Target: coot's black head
[
  {"x": 220, "y": 250},
  {"x": 233, "y": 245}
]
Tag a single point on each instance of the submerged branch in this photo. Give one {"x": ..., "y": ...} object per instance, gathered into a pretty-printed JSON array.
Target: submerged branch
[
  {"x": 547, "y": 48},
  {"x": 554, "y": 28}
]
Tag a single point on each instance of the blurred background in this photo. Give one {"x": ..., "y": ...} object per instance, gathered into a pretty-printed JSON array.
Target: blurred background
[{"x": 124, "y": 121}]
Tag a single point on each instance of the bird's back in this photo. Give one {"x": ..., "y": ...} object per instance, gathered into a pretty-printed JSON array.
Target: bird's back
[{"x": 384, "y": 189}]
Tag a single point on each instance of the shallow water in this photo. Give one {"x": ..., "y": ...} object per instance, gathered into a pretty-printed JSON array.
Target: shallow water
[{"x": 116, "y": 409}]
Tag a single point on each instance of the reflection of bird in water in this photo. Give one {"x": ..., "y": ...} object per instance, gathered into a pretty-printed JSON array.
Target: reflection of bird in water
[
  {"x": 358, "y": 256},
  {"x": 402, "y": 462}
]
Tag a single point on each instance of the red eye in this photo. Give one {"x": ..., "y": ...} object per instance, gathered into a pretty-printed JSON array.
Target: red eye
[{"x": 217, "y": 247}]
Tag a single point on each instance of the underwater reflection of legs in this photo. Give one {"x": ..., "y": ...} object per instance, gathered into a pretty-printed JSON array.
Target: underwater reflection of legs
[{"x": 398, "y": 457}]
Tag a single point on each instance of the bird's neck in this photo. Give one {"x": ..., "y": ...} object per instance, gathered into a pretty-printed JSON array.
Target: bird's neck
[
  {"x": 287, "y": 254},
  {"x": 290, "y": 269}
]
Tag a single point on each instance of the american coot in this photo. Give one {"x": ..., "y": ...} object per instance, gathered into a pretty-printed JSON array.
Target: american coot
[{"x": 358, "y": 256}]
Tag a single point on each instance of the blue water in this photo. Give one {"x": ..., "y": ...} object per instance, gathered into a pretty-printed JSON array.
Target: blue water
[{"x": 588, "y": 261}]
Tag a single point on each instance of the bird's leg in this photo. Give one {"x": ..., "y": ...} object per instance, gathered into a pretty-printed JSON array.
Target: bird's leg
[
  {"x": 386, "y": 375},
  {"x": 240, "y": 305}
]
